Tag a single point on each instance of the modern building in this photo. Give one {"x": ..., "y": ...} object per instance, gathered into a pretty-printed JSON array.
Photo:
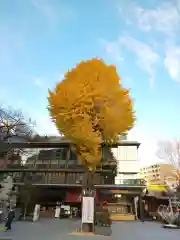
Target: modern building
[
  {"x": 157, "y": 173},
  {"x": 172, "y": 182},
  {"x": 128, "y": 164}
]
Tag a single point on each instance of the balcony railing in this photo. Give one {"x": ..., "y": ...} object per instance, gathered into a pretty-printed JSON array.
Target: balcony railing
[
  {"x": 60, "y": 177},
  {"x": 132, "y": 182},
  {"x": 55, "y": 165}
]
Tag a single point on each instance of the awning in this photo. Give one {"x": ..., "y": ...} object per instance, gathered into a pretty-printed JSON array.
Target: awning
[
  {"x": 158, "y": 191},
  {"x": 157, "y": 187}
]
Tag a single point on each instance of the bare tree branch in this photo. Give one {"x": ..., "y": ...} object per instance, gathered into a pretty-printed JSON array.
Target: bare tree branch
[
  {"x": 14, "y": 124},
  {"x": 170, "y": 152},
  {"x": 14, "y": 127}
]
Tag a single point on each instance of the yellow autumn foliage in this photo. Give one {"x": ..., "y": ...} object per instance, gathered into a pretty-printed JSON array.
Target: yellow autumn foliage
[{"x": 90, "y": 106}]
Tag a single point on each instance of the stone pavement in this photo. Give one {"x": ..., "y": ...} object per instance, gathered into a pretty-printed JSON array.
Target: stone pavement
[
  {"x": 44, "y": 229},
  {"x": 54, "y": 229}
]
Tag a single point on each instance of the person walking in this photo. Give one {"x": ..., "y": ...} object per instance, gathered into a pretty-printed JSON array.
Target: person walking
[{"x": 10, "y": 217}]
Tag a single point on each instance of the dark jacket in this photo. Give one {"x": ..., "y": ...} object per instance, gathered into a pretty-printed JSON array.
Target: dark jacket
[{"x": 11, "y": 215}]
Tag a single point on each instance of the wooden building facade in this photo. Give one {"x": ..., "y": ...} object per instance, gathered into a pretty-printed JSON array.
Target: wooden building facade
[{"x": 58, "y": 175}]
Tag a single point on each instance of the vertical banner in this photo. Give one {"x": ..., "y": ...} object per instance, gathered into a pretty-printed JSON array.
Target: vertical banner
[
  {"x": 57, "y": 211},
  {"x": 87, "y": 210},
  {"x": 36, "y": 212}
]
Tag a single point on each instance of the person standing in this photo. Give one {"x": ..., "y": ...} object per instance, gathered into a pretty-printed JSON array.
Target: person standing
[
  {"x": 10, "y": 217},
  {"x": 1, "y": 216}
]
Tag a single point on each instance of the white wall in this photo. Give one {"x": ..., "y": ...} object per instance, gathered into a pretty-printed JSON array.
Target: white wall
[
  {"x": 125, "y": 153},
  {"x": 128, "y": 166},
  {"x": 127, "y": 162}
]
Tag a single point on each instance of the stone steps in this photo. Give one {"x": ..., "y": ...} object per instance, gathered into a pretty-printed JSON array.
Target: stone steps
[{"x": 122, "y": 217}]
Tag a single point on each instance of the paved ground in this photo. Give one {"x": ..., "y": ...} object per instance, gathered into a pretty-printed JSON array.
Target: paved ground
[{"x": 52, "y": 229}]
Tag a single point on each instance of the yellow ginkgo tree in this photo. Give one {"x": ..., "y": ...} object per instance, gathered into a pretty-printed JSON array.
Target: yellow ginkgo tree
[{"x": 90, "y": 106}]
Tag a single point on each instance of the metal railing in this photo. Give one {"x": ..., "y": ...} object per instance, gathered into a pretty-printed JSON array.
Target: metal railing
[
  {"x": 67, "y": 178},
  {"x": 132, "y": 181}
]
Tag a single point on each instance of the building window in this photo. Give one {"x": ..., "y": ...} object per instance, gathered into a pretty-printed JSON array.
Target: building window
[
  {"x": 157, "y": 176},
  {"x": 129, "y": 176}
]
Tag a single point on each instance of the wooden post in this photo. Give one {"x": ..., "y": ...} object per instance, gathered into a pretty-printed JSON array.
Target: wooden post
[{"x": 66, "y": 164}]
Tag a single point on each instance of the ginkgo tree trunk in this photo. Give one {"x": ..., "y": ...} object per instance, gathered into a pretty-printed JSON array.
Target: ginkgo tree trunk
[{"x": 90, "y": 106}]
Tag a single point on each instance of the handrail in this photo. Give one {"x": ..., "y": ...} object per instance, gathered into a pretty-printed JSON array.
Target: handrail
[
  {"x": 68, "y": 170},
  {"x": 62, "y": 143},
  {"x": 80, "y": 185}
]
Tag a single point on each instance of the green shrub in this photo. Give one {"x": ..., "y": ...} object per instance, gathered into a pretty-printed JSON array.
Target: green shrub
[
  {"x": 102, "y": 217},
  {"x": 177, "y": 220}
]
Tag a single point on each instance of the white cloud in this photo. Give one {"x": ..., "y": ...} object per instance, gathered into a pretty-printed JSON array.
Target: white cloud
[
  {"x": 112, "y": 49},
  {"x": 147, "y": 58},
  {"x": 165, "y": 17},
  {"x": 44, "y": 124},
  {"x": 172, "y": 62},
  {"x": 163, "y": 22}
]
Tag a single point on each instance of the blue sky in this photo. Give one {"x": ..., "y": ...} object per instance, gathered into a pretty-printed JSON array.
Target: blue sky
[{"x": 42, "y": 39}]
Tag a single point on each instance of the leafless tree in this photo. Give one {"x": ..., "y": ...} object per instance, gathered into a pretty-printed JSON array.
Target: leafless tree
[
  {"x": 170, "y": 152},
  {"x": 14, "y": 127}
]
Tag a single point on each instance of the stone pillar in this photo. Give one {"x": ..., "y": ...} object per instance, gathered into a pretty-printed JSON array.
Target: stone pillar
[
  {"x": 136, "y": 207},
  {"x": 141, "y": 208}
]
